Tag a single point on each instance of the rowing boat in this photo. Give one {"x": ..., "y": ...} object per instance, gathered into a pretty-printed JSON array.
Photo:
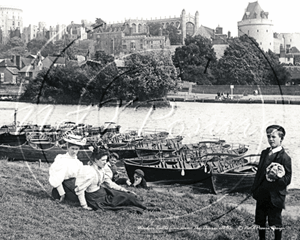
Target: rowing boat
[
  {"x": 234, "y": 174},
  {"x": 35, "y": 152},
  {"x": 172, "y": 170}
]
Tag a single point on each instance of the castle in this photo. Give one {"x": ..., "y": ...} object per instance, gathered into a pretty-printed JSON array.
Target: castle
[
  {"x": 256, "y": 23},
  {"x": 11, "y": 23},
  {"x": 133, "y": 34}
]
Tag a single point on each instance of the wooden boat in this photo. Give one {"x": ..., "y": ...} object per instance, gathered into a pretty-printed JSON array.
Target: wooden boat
[
  {"x": 171, "y": 170},
  {"x": 13, "y": 139},
  {"x": 232, "y": 174},
  {"x": 29, "y": 153}
]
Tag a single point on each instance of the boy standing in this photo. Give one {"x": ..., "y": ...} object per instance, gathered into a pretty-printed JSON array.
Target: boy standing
[{"x": 270, "y": 184}]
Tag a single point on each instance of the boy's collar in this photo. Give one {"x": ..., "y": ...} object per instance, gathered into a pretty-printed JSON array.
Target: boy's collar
[{"x": 275, "y": 150}]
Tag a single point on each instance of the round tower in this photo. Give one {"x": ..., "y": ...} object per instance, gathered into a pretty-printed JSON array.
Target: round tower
[
  {"x": 183, "y": 25},
  {"x": 255, "y": 23},
  {"x": 10, "y": 18}
]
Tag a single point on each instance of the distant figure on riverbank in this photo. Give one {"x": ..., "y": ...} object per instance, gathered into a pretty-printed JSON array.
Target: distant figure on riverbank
[{"x": 270, "y": 184}]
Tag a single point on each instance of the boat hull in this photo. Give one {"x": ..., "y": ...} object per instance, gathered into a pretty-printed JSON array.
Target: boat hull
[
  {"x": 12, "y": 139},
  {"x": 27, "y": 153},
  {"x": 169, "y": 172},
  {"x": 222, "y": 183}
]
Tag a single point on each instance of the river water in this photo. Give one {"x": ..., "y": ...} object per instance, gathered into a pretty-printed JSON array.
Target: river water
[{"x": 235, "y": 123}]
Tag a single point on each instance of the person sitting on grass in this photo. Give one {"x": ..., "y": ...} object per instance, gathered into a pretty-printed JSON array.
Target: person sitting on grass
[
  {"x": 95, "y": 191},
  {"x": 270, "y": 184},
  {"x": 64, "y": 169},
  {"x": 139, "y": 180}
]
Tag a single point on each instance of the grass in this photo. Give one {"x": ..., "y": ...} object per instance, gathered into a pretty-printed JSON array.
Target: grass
[{"x": 28, "y": 212}]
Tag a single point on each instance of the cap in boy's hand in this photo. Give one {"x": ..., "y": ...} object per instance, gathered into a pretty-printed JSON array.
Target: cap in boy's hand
[{"x": 274, "y": 171}]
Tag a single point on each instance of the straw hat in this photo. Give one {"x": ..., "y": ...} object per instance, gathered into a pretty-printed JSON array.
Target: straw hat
[{"x": 74, "y": 139}]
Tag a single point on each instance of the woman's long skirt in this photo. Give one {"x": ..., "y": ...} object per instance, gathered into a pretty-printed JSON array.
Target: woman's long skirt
[
  {"x": 104, "y": 198},
  {"x": 69, "y": 186},
  {"x": 110, "y": 199}
]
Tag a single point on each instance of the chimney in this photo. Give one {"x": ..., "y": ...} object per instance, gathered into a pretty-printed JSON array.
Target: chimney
[
  {"x": 229, "y": 34},
  {"x": 18, "y": 62},
  {"x": 160, "y": 32}
]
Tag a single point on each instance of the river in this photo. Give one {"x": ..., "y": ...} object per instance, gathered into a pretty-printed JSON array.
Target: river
[{"x": 235, "y": 123}]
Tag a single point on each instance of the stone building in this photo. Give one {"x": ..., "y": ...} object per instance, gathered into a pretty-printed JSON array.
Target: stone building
[
  {"x": 133, "y": 35},
  {"x": 256, "y": 23},
  {"x": 10, "y": 19}
]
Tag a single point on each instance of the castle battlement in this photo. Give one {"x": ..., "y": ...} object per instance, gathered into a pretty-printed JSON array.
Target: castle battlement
[
  {"x": 255, "y": 21},
  {"x": 143, "y": 36}
]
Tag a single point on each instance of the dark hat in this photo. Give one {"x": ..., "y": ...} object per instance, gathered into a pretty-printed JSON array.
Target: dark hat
[
  {"x": 139, "y": 172},
  {"x": 277, "y": 127}
]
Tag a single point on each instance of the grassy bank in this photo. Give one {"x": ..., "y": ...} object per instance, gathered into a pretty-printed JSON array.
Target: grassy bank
[{"x": 28, "y": 212}]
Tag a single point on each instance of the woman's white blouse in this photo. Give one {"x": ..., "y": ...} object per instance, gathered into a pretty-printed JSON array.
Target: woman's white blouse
[
  {"x": 63, "y": 167},
  {"x": 88, "y": 179},
  {"x": 108, "y": 182}
]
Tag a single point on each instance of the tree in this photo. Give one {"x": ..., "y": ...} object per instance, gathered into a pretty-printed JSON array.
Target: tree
[
  {"x": 101, "y": 74},
  {"x": 66, "y": 48},
  {"x": 14, "y": 42},
  {"x": 279, "y": 75},
  {"x": 14, "y": 51},
  {"x": 170, "y": 31},
  {"x": 197, "y": 53},
  {"x": 174, "y": 35},
  {"x": 154, "y": 28},
  {"x": 102, "y": 57},
  {"x": 64, "y": 84},
  {"x": 149, "y": 75},
  {"x": 243, "y": 63},
  {"x": 40, "y": 45},
  {"x": 72, "y": 84}
]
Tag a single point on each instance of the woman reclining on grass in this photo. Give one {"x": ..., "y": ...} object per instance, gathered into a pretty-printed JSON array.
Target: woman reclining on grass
[{"x": 93, "y": 194}]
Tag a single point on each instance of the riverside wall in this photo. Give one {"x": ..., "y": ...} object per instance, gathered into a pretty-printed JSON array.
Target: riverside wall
[{"x": 247, "y": 89}]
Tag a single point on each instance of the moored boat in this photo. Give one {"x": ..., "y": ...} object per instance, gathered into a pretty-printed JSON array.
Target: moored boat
[
  {"x": 171, "y": 170},
  {"x": 29, "y": 153},
  {"x": 232, "y": 174},
  {"x": 13, "y": 139}
]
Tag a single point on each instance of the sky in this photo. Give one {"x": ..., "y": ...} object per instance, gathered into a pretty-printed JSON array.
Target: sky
[{"x": 212, "y": 13}]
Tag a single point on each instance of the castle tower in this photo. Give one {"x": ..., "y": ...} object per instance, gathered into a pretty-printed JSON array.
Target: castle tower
[
  {"x": 11, "y": 19},
  {"x": 255, "y": 23},
  {"x": 183, "y": 25}
]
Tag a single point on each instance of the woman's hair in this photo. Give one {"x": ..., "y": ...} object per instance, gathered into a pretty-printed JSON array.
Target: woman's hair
[
  {"x": 281, "y": 131},
  {"x": 99, "y": 153}
]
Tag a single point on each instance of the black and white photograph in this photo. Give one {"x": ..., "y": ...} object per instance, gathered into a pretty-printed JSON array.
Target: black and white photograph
[{"x": 149, "y": 120}]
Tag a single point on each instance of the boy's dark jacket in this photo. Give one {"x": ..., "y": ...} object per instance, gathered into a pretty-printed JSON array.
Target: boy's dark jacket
[{"x": 278, "y": 188}]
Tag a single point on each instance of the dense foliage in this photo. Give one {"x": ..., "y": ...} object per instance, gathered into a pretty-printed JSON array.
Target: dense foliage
[
  {"x": 62, "y": 84},
  {"x": 244, "y": 63},
  {"x": 194, "y": 58},
  {"x": 15, "y": 46},
  {"x": 145, "y": 76},
  {"x": 148, "y": 75},
  {"x": 41, "y": 45}
]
